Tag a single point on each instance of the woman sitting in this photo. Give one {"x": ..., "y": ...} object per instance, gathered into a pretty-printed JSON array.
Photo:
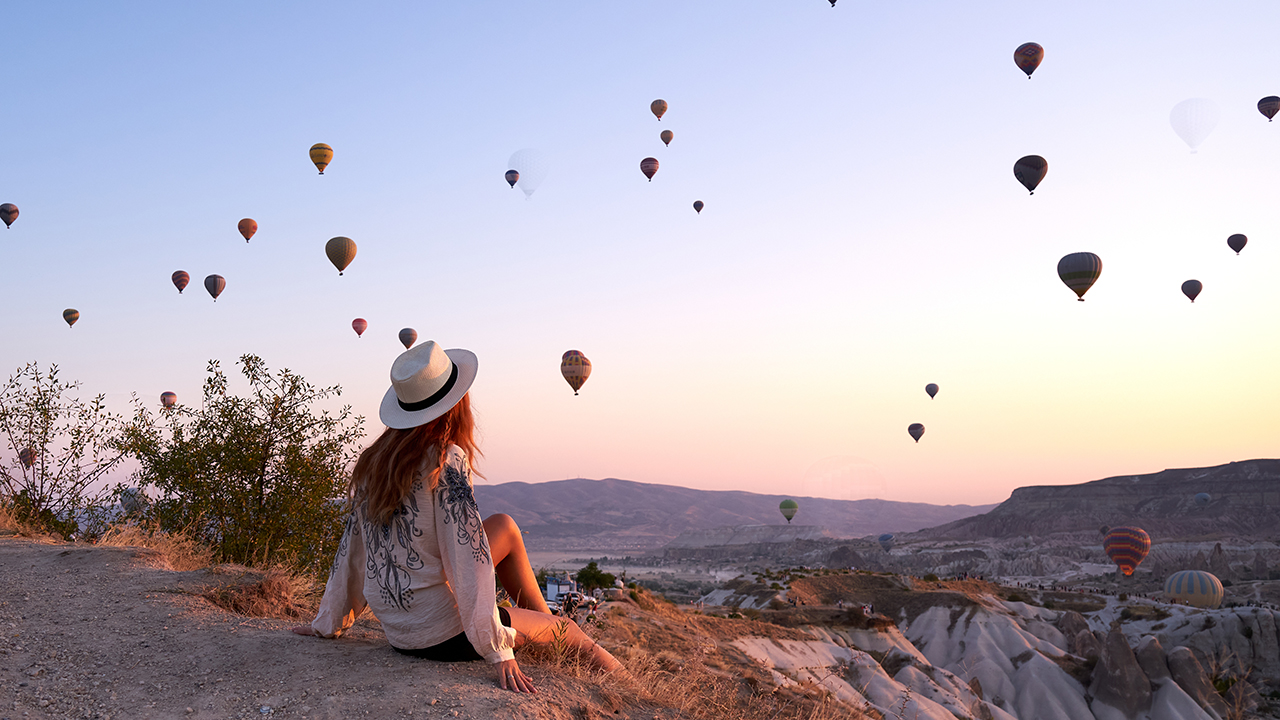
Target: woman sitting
[{"x": 414, "y": 548}]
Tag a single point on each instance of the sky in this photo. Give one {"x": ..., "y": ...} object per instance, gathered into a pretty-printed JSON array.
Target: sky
[{"x": 863, "y": 233}]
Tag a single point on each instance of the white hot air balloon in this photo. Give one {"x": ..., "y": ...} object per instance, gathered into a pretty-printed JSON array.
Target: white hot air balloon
[
  {"x": 1193, "y": 120},
  {"x": 533, "y": 167}
]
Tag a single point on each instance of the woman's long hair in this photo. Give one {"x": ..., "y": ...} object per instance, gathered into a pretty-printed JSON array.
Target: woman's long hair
[{"x": 385, "y": 473}]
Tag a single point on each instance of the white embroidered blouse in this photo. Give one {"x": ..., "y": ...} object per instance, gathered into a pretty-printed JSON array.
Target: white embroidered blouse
[{"x": 427, "y": 575}]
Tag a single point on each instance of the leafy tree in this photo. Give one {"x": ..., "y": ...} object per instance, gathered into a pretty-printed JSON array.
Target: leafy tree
[
  {"x": 590, "y": 577},
  {"x": 61, "y": 448},
  {"x": 258, "y": 478}
]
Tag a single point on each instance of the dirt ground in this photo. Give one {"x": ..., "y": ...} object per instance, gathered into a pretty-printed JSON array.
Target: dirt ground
[{"x": 92, "y": 632}]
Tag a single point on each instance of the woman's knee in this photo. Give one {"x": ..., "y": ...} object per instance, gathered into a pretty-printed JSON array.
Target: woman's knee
[{"x": 501, "y": 524}]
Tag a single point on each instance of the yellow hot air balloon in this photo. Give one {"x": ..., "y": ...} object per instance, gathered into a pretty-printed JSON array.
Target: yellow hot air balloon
[
  {"x": 658, "y": 107},
  {"x": 1196, "y": 588},
  {"x": 341, "y": 251},
  {"x": 576, "y": 368},
  {"x": 321, "y": 154}
]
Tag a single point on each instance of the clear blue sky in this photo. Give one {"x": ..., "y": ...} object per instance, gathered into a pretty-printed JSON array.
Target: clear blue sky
[{"x": 863, "y": 233}]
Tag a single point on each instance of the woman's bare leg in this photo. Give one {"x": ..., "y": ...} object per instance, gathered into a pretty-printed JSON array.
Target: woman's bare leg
[
  {"x": 535, "y": 627},
  {"x": 511, "y": 562}
]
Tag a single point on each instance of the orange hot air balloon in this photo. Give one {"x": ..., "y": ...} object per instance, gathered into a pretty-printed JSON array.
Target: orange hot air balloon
[
  {"x": 666, "y": 136},
  {"x": 180, "y": 279},
  {"x": 359, "y": 325},
  {"x": 341, "y": 251},
  {"x": 698, "y": 205},
  {"x": 1028, "y": 57},
  {"x": 247, "y": 227},
  {"x": 576, "y": 368},
  {"x": 321, "y": 154},
  {"x": 1127, "y": 547},
  {"x": 168, "y": 399},
  {"x": 70, "y": 315},
  {"x": 215, "y": 284},
  {"x": 649, "y": 166},
  {"x": 658, "y": 107},
  {"x": 8, "y": 213}
]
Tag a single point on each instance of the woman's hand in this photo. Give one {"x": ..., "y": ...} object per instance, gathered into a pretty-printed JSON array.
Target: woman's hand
[
  {"x": 510, "y": 678},
  {"x": 304, "y": 630}
]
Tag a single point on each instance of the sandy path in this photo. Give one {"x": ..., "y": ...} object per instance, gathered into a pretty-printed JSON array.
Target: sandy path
[{"x": 90, "y": 632}]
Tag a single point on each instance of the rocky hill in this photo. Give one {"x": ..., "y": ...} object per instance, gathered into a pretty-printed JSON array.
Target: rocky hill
[
  {"x": 1244, "y": 502},
  {"x": 622, "y": 515}
]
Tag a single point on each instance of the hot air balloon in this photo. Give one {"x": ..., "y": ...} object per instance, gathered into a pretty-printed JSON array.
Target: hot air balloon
[
  {"x": 658, "y": 107},
  {"x": 1030, "y": 170},
  {"x": 408, "y": 336},
  {"x": 1079, "y": 271},
  {"x": 697, "y": 206},
  {"x": 666, "y": 136},
  {"x": 916, "y": 430},
  {"x": 27, "y": 456},
  {"x": 532, "y": 168},
  {"x": 321, "y": 154},
  {"x": 247, "y": 227},
  {"x": 168, "y": 399},
  {"x": 8, "y": 213},
  {"x": 1028, "y": 57},
  {"x": 341, "y": 251},
  {"x": 359, "y": 325},
  {"x": 576, "y": 368},
  {"x": 788, "y": 509},
  {"x": 1237, "y": 242},
  {"x": 1196, "y": 588},
  {"x": 512, "y": 177},
  {"x": 180, "y": 279},
  {"x": 215, "y": 284},
  {"x": 1127, "y": 546},
  {"x": 71, "y": 315},
  {"x": 1193, "y": 120},
  {"x": 649, "y": 166},
  {"x": 1192, "y": 288},
  {"x": 886, "y": 541},
  {"x": 932, "y": 389},
  {"x": 1269, "y": 106},
  {"x": 1202, "y": 499}
]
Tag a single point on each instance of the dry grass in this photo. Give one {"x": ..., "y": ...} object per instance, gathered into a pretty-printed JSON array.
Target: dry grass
[
  {"x": 278, "y": 592},
  {"x": 11, "y": 526},
  {"x": 170, "y": 551}
]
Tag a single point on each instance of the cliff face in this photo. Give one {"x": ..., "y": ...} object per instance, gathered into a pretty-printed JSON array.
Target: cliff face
[{"x": 1244, "y": 500}]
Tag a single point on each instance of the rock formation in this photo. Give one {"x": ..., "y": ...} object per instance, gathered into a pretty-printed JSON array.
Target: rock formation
[
  {"x": 1190, "y": 676},
  {"x": 1118, "y": 681}
]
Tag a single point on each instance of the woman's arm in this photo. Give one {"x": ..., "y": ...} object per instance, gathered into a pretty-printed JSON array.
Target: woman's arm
[
  {"x": 468, "y": 564},
  {"x": 343, "y": 599}
]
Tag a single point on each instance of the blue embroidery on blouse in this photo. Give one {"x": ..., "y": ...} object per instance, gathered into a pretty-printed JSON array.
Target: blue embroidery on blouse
[
  {"x": 381, "y": 566},
  {"x": 458, "y": 504}
]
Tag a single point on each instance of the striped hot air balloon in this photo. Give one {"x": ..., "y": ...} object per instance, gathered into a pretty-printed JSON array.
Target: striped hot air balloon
[
  {"x": 1079, "y": 271},
  {"x": 576, "y": 368},
  {"x": 1269, "y": 106},
  {"x": 321, "y": 155},
  {"x": 215, "y": 284},
  {"x": 70, "y": 315},
  {"x": 1028, "y": 57},
  {"x": 180, "y": 279},
  {"x": 788, "y": 509},
  {"x": 1127, "y": 546},
  {"x": 1194, "y": 587},
  {"x": 649, "y": 166},
  {"x": 28, "y": 457}
]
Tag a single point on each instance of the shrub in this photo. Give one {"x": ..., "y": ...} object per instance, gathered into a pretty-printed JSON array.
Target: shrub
[
  {"x": 257, "y": 478},
  {"x": 1124, "y": 597},
  {"x": 1015, "y": 597},
  {"x": 930, "y": 578},
  {"x": 62, "y": 447}
]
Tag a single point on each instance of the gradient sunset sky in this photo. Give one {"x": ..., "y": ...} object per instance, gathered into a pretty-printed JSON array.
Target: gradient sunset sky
[{"x": 863, "y": 232}]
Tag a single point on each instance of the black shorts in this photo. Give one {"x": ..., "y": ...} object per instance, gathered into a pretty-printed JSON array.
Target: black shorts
[{"x": 456, "y": 649}]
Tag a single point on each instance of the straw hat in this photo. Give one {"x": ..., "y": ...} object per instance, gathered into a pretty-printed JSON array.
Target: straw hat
[{"x": 426, "y": 382}]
